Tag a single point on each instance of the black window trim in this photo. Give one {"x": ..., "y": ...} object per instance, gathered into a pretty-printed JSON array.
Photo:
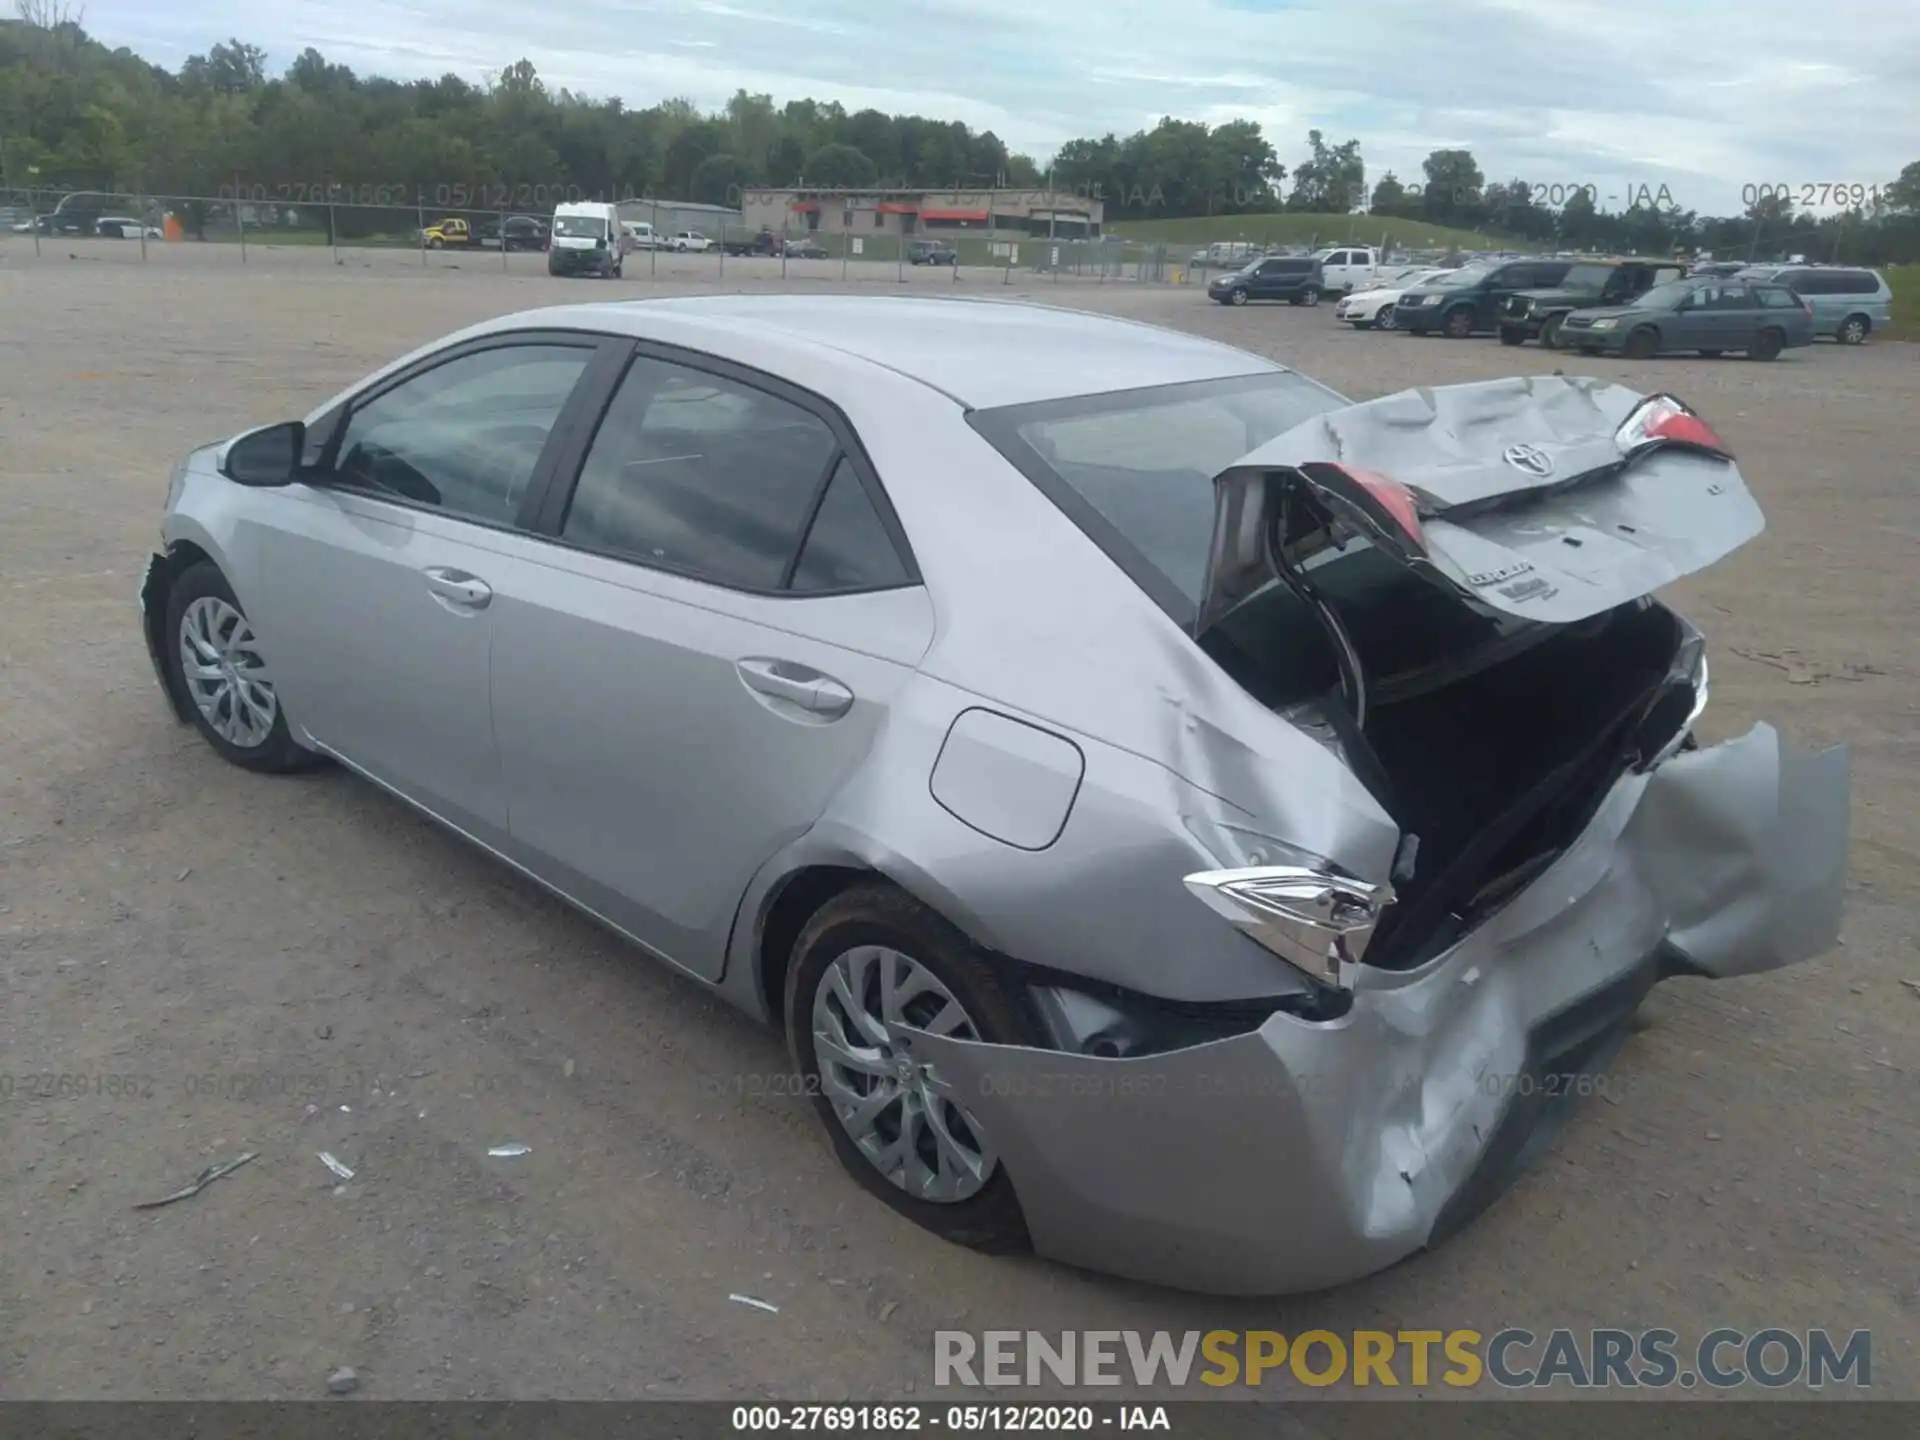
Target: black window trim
[
  {"x": 322, "y": 476},
  {"x": 1000, "y": 428},
  {"x": 571, "y": 456}
]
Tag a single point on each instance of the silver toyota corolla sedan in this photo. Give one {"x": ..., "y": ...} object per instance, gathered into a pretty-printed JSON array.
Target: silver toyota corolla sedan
[{"x": 1183, "y": 820}]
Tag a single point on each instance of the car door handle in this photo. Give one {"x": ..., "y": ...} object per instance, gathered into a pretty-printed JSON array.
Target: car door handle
[
  {"x": 458, "y": 587},
  {"x": 798, "y": 685}
]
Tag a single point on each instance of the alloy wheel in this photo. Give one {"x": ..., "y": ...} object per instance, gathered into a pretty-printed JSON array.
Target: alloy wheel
[
  {"x": 1383, "y": 318},
  {"x": 226, "y": 676},
  {"x": 889, "y": 1104}
]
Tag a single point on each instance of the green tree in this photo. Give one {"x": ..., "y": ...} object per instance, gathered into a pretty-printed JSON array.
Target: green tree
[
  {"x": 1331, "y": 180},
  {"x": 1453, "y": 190},
  {"x": 835, "y": 167},
  {"x": 717, "y": 180}
]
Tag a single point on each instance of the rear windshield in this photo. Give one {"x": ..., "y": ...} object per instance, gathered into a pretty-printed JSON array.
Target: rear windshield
[{"x": 1143, "y": 461}]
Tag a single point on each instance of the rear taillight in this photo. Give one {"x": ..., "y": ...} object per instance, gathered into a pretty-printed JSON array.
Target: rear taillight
[
  {"x": 1393, "y": 497},
  {"x": 1663, "y": 420}
]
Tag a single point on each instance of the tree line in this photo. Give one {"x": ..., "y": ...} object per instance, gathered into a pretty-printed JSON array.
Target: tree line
[{"x": 75, "y": 114}]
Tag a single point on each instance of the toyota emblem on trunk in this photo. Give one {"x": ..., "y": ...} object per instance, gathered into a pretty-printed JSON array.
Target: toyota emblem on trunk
[{"x": 1530, "y": 458}]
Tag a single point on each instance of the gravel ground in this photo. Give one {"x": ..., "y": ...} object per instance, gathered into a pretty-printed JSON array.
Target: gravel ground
[{"x": 224, "y": 963}]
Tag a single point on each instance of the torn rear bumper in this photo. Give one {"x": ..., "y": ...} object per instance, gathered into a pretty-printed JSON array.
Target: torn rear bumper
[{"x": 1306, "y": 1154}]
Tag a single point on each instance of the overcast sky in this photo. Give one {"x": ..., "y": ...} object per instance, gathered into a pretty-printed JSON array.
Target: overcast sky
[{"x": 1705, "y": 97}]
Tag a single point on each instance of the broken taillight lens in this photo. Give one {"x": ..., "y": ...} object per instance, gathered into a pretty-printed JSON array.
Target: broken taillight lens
[
  {"x": 1663, "y": 420},
  {"x": 1393, "y": 497}
]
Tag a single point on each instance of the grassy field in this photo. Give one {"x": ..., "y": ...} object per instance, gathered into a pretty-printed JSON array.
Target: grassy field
[
  {"x": 1296, "y": 229},
  {"x": 1905, "y": 280}
]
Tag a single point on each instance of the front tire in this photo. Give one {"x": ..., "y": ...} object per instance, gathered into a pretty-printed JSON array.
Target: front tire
[
  {"x": 1642, "y": 344},
  {"x": 1550, "y": 334},
  {"x": 868, "y": 951},
  {"x": 1310, "y": 296},
  {"x": 1511, "y": 336},
  {"x": 1458, "y": 324},
  {"x": 1383, "y": 318},
  {"x": 213, "y": 659},
  {"x": 1238, "y": 297}
]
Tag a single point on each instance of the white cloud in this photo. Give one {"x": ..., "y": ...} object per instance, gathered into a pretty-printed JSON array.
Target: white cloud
[{"x": 1705, "y": 97}]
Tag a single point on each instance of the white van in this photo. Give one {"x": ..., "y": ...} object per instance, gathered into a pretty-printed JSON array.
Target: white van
[
  {"x": 587, "y": 239},
  {"x": 640, "y": 235}
]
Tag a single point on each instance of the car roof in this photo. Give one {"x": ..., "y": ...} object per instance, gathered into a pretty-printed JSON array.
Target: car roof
[{"x": 979, "y": 352}]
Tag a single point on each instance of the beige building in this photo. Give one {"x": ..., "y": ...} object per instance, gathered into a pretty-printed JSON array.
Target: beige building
[{"x": 933, "y": 214}]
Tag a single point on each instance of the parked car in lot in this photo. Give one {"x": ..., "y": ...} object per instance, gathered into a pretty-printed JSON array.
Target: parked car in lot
[
  {"x": 452, "y": 231},
  {"x": 588, "y": 239},
  {"x": 515, "y": 232},
  {"x": 761, "y": 242},
  {"x": 1467, "y": 301},
  {"x": 931, "y": 252},
  {"x": 691, "y": 240},
  {"x": 623, "y": 595},
  {"x": 1292, "y": 278},
  {"x": 127, "y": 227},
  {"x": 1537, "y": 314},
  {"x": 1711, "y": 316},
  {"x": 1373, "y": 308},
  {"x": 808, "y": 249},
  {"x": 1848, "y": 303},
  {"x": 1348, "y": 268}
]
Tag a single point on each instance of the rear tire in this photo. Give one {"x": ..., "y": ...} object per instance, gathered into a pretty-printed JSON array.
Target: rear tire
[
  {"x": 871, "y": 926},
  {"x": 1767, "y": 345},
  {"x": 1642, "y": 344},
  {"x": 204, "y": 617},
  {"x": 1853, "y": 330}
]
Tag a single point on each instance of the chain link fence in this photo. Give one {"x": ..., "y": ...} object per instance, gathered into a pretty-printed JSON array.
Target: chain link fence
[{"x": 367, "y": 222}]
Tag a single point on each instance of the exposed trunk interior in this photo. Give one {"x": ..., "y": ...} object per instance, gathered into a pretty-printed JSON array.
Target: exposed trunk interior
[{"x": 1492, "y": 741}]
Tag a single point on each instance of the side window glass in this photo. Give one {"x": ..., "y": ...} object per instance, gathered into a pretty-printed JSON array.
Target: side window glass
[
  {"x": 700, "y": 474},
  {"x": 1734, "y": 297},
  {"x": 464, "y": 436},
  {"x": 848, "y": 547}
]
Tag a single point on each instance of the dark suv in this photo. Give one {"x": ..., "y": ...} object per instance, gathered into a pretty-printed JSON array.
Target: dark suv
[
  {"x": 1468, "y": 301},
  {"x": 932, "y": 252},
  {"x": 1536, "y": 314},
  {"x": 1296, "y": 279}
]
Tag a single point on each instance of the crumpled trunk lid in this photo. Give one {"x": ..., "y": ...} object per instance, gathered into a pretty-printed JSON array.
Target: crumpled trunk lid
[{"x": 1515, "y": 494}]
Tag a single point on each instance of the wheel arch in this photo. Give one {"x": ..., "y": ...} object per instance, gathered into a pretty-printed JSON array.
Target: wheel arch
[{"x": 179, "y": 556}]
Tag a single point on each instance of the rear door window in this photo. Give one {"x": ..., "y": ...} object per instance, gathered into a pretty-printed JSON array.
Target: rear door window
[
  {"x": 701, "y": 474},
  {"x": 1772, "y": 297}
]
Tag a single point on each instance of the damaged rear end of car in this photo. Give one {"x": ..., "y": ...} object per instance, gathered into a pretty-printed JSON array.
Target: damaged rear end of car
[{"x": 1451, "y": 591}]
